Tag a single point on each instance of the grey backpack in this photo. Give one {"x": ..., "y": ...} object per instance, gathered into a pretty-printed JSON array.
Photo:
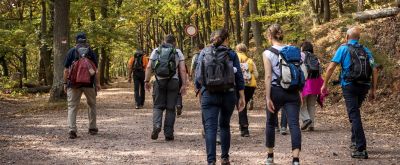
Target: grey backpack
[
  {"x": 165, "y": 65},
  {"x": 216, "y": 68}
]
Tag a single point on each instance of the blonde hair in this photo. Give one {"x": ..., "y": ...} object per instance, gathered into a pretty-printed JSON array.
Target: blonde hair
[
  {"x": 276, "y": 32},
  {"x": 241, "y": 48}
]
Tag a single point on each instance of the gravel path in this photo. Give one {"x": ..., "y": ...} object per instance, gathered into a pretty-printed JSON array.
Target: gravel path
[{"x": 39, "y": 136}]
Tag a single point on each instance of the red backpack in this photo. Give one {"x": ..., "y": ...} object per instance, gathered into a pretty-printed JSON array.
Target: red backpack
[{"x": 83, "y": 68}]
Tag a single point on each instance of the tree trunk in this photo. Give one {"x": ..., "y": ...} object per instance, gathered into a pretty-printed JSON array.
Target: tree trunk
[
  {"x": 237, "y": 22},
  {"x": 321, "y": 7},
  {"x": 104, "y": 56},
  {"x": 203, "y": 24},
  {"x": 360, "y": 5},
  {"x": 327, "y": 11},
  {"x": 398, "y": 3},
  {"x": 373, "y": 14},
  {"x": 208, "y": 16},
  {"x": 314, "y": 13},
  {"x": 255, "y": 25},
  {"x": 24, "y": 60},
  {"x": 340, "y": 7},
  {"x": 45, "y": 75},
  {"x": 60, "y": 47},
  {"x": 227, "y": 13},
  {"x": 246, "y": 23},
  {"x": 3, "y": 64}
]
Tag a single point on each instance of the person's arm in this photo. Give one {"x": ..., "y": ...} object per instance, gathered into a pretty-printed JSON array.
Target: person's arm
[
  {"x": 329, "y": 71},
  {"x": 268, "y": 80},
  {"x": 375, "y": 75},
  {"x": 96, "y": 62},
  {"x": 239, "y": 80},
  {"x": 183, "y": 74},
  {"x": 67, "y": 63}
]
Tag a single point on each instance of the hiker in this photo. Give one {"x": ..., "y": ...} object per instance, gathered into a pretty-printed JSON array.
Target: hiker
[
  {"x": 136, "y": 68},
  {"x": 312, "y": 88},
  {"x": 81, "y": 76},
  {"x": 194, "y": 60},
  {"x": 165, "y": 61},
  {"x": 357, "y": 66},
  {"x": 284, "y": 78},
  {"x": 218, "y": 76},
  {"x": 250, "y": 74},
  {"x": 179, "y": 100},
  {"x": 283, "y": 127}
]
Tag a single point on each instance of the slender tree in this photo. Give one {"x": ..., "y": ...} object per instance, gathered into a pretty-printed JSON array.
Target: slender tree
[
  {"x": 255, "y": 25},
  {"x": 340, "y": 7},
  {"x": 360, "y": 5},
  {"x": 327, "y": 11},
  {"x": 237, "y": 21},
  {"x": 60, "y": 47},
  {"x": 246, "y": 23}
]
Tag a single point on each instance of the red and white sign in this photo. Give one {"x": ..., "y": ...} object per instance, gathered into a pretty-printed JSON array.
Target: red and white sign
[{"x": 191, "y": 30}]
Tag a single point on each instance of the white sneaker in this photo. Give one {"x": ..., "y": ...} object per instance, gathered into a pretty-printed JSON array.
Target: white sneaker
[{"x": 270, "y": 161}]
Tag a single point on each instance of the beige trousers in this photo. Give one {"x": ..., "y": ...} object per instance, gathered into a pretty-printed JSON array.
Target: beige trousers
[
  {"x": 74, "y": 98},
  {"x": 307, "y": 111}
]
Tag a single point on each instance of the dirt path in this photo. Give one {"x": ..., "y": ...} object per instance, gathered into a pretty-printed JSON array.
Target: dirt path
[{"x": 40, "y": 137}]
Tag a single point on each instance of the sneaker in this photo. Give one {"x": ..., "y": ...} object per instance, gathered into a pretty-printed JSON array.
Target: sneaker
[
  {"x": 244, "y": 132},
  {"x": 277, "y": 129},
  {"x": 225, "y": 161},
  {"x": 179, "y": 110},
  {"x": 360, "y": 154},
  {"x": 251, "y": 105},
  {"x": 212, "y": 163},
  {"x": 283, "y": 131},
  {"x": 154, "y": 134},
  {"x": 311, "y": 129},
  {"x": 353, "y": 146},
  {"x": 218, "y": 139},
  {"x": 169, "y": 138},
  {"x": 296, "y": 163},
  {"x": 93, "y": 131},
  {"x": 269, "y": 161},
  {"x": 72, "y": 135},
  {"x": 306, "y": 124}
]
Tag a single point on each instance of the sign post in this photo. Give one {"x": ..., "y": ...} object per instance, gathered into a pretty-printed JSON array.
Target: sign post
[{"x": 191, "y": 31}]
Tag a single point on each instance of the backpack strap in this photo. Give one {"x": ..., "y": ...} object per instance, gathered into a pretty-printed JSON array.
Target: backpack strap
[{"x": 276, "y": 52}]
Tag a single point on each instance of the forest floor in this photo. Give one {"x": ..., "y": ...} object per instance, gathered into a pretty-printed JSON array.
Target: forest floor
[{"x": 35, "y": 132}]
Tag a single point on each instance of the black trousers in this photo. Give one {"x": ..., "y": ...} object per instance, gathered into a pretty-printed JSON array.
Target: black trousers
[
  {"x": 248, "y": 94},
  {"x": 138, "y": 80}
]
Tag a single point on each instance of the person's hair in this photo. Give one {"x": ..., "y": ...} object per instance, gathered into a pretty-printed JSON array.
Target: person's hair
[
  {"x": 241, "y": 48},
  {"x": 200, "y": 46},
  {"x": 276, "y": 32},
  {"x": 139, "y": 53},
  {"x": 354, "y": 33},
  {"x": 307, "y": 46},
  {"x": 219, "y": 36},
  {"x": 170, "y": 39}
]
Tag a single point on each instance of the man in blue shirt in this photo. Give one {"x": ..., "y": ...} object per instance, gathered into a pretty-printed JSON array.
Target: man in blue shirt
[{"x": 354, "y": 92}]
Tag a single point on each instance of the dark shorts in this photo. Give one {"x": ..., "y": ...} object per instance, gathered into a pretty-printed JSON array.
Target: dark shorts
[{"x": 165, "y": 93}]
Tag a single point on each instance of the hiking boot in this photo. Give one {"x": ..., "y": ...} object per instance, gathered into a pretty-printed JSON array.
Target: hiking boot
[
  {"x": 311, "y": 129},
  {"x": 179, "y": 110},
  {"x": 353, "y": 146},
  {"x": 360, "y": 154},
  {"x": 137, "y": 107},
  {"x": 244, "y": 132},
  {"x": 283, "y": 131},
  {"x": 169, "y": 138},
  {"x": 306, "y": 124},
  {"x": 154, "y": 134},
  {"x": 225, "y": 161},
  {"x": 93, "y": 131},
  {"x": 269, "y": 161},
  {"x": 72, "y": 135}
]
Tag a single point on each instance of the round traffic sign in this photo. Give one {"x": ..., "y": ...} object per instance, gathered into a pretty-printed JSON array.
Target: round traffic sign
[{"x": 191, "y": 30}]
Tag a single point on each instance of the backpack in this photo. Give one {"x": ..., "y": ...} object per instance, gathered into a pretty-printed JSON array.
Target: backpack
[
  {"x": 196, "y": 55},
  {"x": 293, "y": 70},
  {"x": 312, "y": 64},
  {"x": 360, "y": 66},
  {"x": 83, "y": 69},
  {"x": 138, "y": 63},
  {"x": 246, "y": 71},
  {"x": 216, "y": 69},
  {"x": 165, "y": 65}
]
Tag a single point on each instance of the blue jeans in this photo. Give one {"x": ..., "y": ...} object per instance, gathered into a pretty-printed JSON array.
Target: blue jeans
[
  {"x": 354, "y": 95},
  {"x": 214, "y": 106},
  {"x": 290, "y": 101},
  {"x": 283, "y": 118}
]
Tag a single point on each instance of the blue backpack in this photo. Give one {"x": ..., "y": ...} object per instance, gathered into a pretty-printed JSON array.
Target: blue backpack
[{"x": 293, "y": 71}]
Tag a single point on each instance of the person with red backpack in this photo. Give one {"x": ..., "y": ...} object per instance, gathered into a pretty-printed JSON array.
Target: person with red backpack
[
  {"x": 136, "y": 68},
  {"x": 81, "y": 76}
]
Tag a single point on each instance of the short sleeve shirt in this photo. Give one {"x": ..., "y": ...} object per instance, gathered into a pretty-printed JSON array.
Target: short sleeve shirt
[
  {"x": 178, "y": 57},
  {"x": 342, "y": 57},
  {"x": 274, "y": 59}
]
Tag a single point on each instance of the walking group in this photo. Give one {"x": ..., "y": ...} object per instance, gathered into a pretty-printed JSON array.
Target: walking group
[{"x": 226, "y": 79}]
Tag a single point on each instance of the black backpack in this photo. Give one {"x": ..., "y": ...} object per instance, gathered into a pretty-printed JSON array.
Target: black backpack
[
  {"x": 165, "y": 65},
  {"x": 360, "y": 66},
  {"x": 216, "y": 68},
  {"x": 138, "y": 63},
  {"x": 313, "y": 66}
]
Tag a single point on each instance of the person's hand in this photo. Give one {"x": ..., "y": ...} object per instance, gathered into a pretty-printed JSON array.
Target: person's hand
[
  {"x": 270, "y": 105},
  {"x": 242, "y": 104},
  {"x": 147, "y": 86},
  {"x": 130, "y": 80},
  {"x": 183, "y": 90},
  {"x": 98, "y": 87},
  {"x": 65, "y": 88},
  {"x": 324, "y": 89},
  {"x": 372, "y": 96}
]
